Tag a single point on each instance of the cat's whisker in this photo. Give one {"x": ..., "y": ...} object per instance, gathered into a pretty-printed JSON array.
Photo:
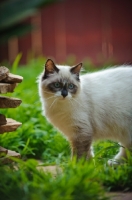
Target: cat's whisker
[
  {"x": 71, "y": 102},
  {"x": 47, "y": 92},
  {"x": 52, "y": 103},
  {"x": 50, "y": 97},
  {"x": 78, "y": 102}
]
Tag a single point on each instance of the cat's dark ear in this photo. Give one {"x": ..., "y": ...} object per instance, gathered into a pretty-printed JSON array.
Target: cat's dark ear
[
  {"x": 76, "y": 70},
  {"x": 50, "y": 68}
]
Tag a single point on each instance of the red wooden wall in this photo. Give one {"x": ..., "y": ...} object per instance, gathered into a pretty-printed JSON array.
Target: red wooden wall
[{"x": 99, "y": 30}]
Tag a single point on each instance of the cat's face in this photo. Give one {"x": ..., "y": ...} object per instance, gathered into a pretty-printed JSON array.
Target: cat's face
[{"x": 60, "y": 81}]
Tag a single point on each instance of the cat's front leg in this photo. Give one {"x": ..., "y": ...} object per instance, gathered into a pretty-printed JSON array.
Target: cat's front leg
[{"x": 81, "y": 147}]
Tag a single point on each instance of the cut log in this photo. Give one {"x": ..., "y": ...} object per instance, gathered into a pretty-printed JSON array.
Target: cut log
[
  {"x": 2, "y": 119},
  {"x": 7, "y": 159},
  {"x": 3, "y": 72},
  {"x": 6, "y": 87},
  {"x": 3, "y": 151},
  {"x": 10, "y": 126},
  {"x": 12, "y": 78},
  {"x": 6, "y": 102}
]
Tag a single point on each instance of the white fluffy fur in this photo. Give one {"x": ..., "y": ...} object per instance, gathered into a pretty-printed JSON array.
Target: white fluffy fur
[{"x": 102, "y": 107}]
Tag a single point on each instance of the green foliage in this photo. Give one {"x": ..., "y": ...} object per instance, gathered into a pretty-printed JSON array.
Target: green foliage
[
  {"x": 105, "y": 150},
  {"x": 13, "y": 12},
  {"x": 118, "y": 178},
  {"x": 37, "y": 139},
  {"x": 76, "y": 182}
]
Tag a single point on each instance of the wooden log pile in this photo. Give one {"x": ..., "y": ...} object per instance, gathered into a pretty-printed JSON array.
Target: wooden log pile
[{"x": 8, "y": 82}]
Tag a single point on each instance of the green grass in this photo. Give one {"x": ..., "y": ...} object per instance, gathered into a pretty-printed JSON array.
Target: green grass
[
  {"x": 78, "y": 182},
  {"x": 36, "y": 139}
]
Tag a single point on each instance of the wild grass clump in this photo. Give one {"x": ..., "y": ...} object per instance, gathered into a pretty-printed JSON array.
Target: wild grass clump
[{"x": 26, "y": 181}]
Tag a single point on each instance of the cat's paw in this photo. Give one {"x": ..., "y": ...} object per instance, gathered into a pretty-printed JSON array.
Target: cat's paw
[{"x": 113, "y": 162}]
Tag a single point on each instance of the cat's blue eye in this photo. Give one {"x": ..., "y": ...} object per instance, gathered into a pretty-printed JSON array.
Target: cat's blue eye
[
  {"x": 57, "y": 85},
  {"x": 71, "y": 86}
]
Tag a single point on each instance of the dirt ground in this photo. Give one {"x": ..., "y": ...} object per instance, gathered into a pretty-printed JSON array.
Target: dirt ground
[{"x": 120, "y": 196}]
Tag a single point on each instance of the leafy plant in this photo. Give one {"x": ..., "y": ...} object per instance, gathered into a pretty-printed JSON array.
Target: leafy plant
[
  {"x": 76, "y": 182},
  {"x": 36, "y": 137},
  {"x": 117, "y": 178}
]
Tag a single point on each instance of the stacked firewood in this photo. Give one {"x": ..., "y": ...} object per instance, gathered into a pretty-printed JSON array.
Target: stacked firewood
[{"x": 8, "y": 82}]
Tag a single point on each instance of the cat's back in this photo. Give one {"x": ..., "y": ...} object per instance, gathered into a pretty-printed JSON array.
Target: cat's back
[
  {"x": 110, "y": 95},
  {"x": 118, "y": 77},
  {"x": 111, "y": 87},
  {"x": 113, "y": 72}
]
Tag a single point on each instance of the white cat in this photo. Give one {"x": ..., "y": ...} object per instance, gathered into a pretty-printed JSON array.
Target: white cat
[{"x": 88, "y": 107}]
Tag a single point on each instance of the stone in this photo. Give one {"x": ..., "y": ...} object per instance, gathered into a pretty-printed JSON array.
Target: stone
[
  {"x": 10, "y": 126},
  {"x": 6, "y": 87},
  {"x": 3, "y": 151},
  {"x": 12, "y": 78},
  {"x": 2, "y": 119},
  {"x": 13, "y": 154},
  {"x": 6, "y": 102},
  {"x": 8, "y": 158},
  {"x": 3, "y": 72}
]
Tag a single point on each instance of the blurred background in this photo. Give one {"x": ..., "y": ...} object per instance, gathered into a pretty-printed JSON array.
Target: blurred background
[{"x": 97, "y": 30}]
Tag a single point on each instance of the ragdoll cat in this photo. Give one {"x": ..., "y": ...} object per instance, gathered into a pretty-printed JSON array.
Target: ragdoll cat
[{"x": 88, "y": 107}]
